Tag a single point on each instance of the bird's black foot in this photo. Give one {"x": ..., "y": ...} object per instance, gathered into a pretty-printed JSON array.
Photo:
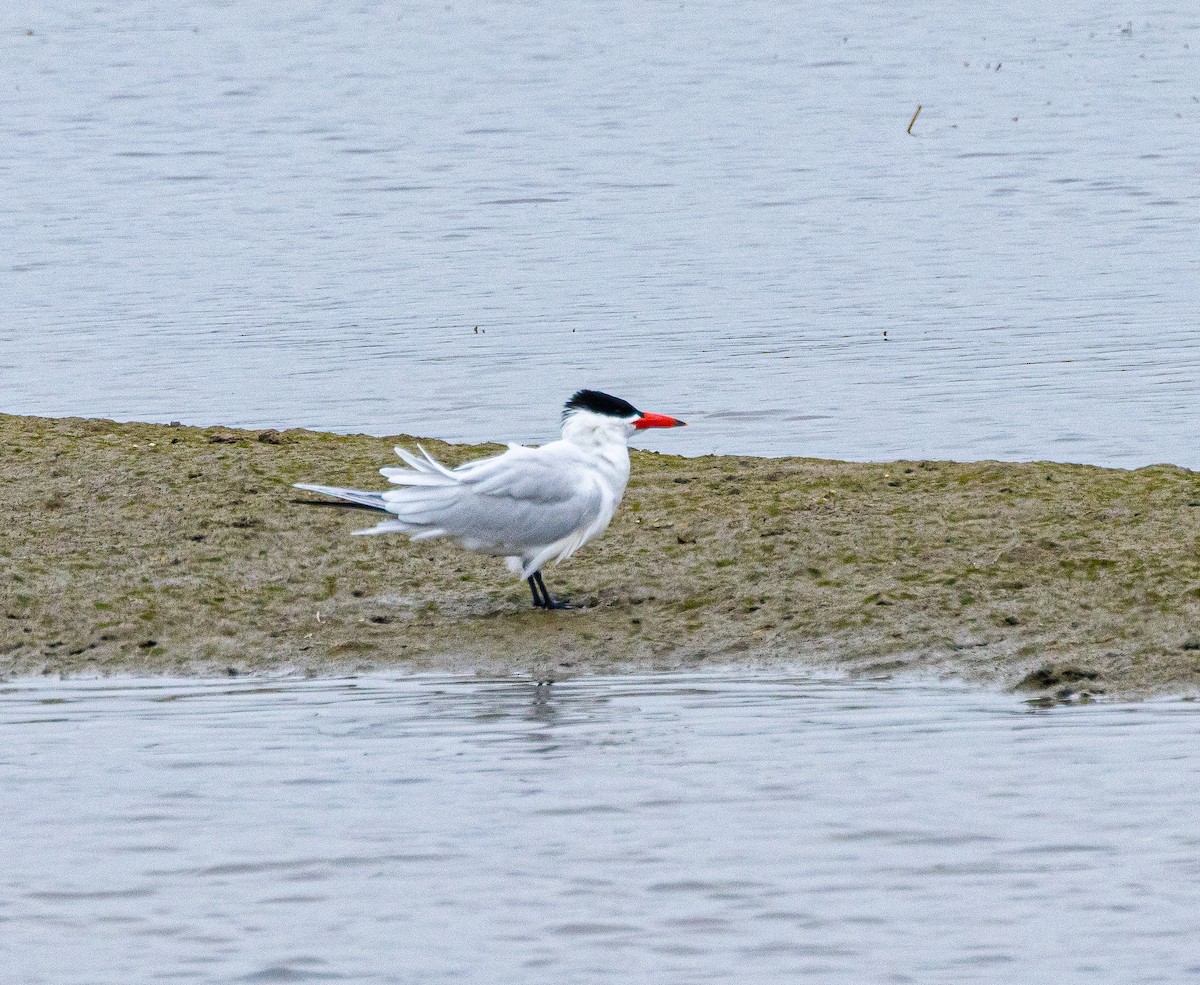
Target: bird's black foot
[{"x": 542, "y": 599}]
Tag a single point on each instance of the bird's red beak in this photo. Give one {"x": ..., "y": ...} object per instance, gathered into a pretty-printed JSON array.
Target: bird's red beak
[{"x": 657, "y": 421}]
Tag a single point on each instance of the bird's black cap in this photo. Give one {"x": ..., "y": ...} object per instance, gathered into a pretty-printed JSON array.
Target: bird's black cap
[{"x": 600, "y": 403}]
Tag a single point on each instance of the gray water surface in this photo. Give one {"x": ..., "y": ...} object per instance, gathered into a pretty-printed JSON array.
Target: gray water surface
[
  {"x": 701, "y": 827},
  {"x": 262, "y": 214}
]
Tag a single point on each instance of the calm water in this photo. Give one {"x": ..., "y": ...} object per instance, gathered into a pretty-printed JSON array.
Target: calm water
[
  {"x": 255, "y": 213},
  {"x": 639, "y": 829}
]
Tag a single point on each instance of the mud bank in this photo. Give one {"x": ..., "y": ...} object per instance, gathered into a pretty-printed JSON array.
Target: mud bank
[{"x": 165, "y": 549}]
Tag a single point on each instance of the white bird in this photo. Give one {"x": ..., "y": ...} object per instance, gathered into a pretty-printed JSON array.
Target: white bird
[{"x": 528, "y": 505}]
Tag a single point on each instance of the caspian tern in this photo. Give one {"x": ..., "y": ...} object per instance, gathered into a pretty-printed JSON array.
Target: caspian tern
[{"x": 528, "y": 505}]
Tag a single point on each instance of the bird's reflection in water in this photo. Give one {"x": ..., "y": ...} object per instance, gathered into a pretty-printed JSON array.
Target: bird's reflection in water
[
  {"x": 542, "y": 705},
  {"x": 543, "y": 712},
  {"x": 538, "y": 702}
]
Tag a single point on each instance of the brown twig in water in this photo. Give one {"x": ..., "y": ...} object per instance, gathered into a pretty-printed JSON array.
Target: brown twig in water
[{"x": 914, "y": 119}]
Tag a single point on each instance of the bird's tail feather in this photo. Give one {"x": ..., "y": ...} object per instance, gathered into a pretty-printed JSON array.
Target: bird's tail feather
[
  {"x": 361, "y": 497},
  {"x": 387, "y": 527},
  {"x": 416, "y": 523},
  {"x": 423, "y": 470}
]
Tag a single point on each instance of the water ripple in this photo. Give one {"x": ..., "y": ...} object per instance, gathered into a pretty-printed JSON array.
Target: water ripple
[
  {"x": 686, "y": 819},
  {"x": 716, "y": 213}
]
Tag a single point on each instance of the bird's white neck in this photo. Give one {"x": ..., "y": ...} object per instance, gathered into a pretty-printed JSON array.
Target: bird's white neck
[{"x": 604, "y": 442}]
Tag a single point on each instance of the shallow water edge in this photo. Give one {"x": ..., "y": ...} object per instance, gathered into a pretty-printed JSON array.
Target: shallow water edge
[
  {"x": 179, "y": 550},
  {"x": 732, "y": 826}
]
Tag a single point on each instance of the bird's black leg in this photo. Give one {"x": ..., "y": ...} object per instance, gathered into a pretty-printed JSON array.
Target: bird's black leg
[
  {"x": 537, "y": 599},
  {"x": 550, "y": 601}
]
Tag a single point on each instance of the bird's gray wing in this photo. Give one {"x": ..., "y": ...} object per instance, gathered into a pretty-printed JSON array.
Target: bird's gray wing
[{"x": 511, "y": 503}]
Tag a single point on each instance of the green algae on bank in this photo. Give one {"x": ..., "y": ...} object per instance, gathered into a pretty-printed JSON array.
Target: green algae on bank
[{"x": 140, "y": 547}]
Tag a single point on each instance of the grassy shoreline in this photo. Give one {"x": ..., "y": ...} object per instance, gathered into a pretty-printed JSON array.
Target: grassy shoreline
[{"x": 181, "y": 550}]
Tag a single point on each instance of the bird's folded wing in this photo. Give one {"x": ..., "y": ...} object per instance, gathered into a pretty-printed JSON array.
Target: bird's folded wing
[
  {"x": 535, "y": 475},
  {"x": 522, "y": 497}
]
